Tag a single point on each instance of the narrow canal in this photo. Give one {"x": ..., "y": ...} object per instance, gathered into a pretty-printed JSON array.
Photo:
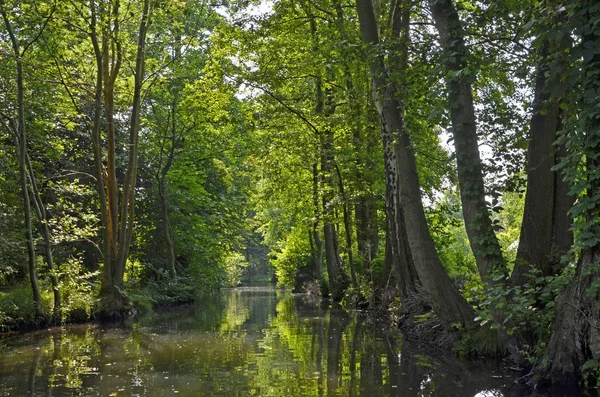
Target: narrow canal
[{"x": 242, "y": 342}]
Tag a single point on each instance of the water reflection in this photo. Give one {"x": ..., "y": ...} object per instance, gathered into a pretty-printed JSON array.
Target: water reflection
[{"x": 241, "y": 342}]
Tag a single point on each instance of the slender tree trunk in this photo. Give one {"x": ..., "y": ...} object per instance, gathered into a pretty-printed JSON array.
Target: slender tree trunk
[
  {"x": 545, "y": 234},
  {"x": 347, "y": 225},
  {"x": 21, "y": 143},
  {"x": 335, "y": 274},
  {"x": 447, "y": 302},
  {"x": 45, "y": 231},
  {"x": 483, "y": 240},
  {"x": 162, "y": 194},
  {"x": 318, "y": 257}
]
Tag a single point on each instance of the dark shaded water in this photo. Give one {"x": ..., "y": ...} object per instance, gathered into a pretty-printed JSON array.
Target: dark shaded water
[{"x": 244, "y": 342}]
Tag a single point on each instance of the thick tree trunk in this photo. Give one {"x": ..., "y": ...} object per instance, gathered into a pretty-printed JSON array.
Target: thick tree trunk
[
  {"x": 21, "y": 143},
  {"x": 545, "y": 234},
  {"x": 399, "y": 252},
  {"x": 447, "y": 301},
  {"x": 483, "y": 240},
  {"x": 575, "y": 333}
]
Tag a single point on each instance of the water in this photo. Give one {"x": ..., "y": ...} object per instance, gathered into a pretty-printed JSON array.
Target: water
[{"x": 244, "y": 342}]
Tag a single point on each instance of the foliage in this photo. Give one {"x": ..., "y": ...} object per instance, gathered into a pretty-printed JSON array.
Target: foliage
[
  {"x": 291, "y": 257},
  {"x": 16, "y": 307}
]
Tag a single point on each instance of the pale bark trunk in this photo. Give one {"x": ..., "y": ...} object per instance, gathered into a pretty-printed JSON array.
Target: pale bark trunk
[
  {"x": 483, "y": 240},
  {"x": 446, "y": 300}
]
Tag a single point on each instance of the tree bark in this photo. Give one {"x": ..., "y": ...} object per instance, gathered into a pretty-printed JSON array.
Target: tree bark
[
  {"x": 545, "y": 234},
  {"x": 446, "y": 300},
  {"x": 483, "y": 240}
]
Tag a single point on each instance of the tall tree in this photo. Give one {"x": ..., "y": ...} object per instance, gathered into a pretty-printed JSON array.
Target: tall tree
[
  {"x": 26, "y": 172},
  {"x": 446, "y": 300},
  {"x": 575, "y": 333},
  {"x": 117, "y": 210},
  {"x": 545, "y": 232},
  {"x": 480, "y": 230}
]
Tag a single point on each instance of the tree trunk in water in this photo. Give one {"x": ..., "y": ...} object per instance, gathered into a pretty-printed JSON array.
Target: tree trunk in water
[
  {"x": 447, "y": 301},
  {"x": 545, "y": 234},
  {"x": 21, "y": 144},
  {"x": 483, "y": 240}
]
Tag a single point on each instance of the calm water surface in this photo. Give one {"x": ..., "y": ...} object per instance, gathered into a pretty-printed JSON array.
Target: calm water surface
[{"x": 243, "y": 342}]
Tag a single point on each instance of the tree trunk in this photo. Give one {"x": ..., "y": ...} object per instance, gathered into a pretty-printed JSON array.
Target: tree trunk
[
  {"x": 575, "y": 333},
  {"x": 162, "y": 194},
  {"x": 318, "y": 253},
  {"x": 45, "y": 231},
  {"x": 117, "y": 222},
  {"x": 483, "y": 240},
  {"x": 545, "y": 234},
  {"x": 447, "y": 301},
  {"x": 335, "y": 274},
  {"x": 21, "y": 143},
  {"x": 347, "y": 225}
]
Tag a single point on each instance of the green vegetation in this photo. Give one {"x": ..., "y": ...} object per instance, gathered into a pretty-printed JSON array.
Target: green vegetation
[{"x": 440, "y": 156}]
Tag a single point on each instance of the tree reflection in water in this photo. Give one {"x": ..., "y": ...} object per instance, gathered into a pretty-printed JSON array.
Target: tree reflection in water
[{"x": 238, "y": 342}]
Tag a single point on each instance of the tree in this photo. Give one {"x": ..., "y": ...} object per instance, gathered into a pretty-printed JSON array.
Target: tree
[
  {"x": 573, "y": 350},
  {"x": 459, "y": 74},
  {"x": 447, "y": 302},
  {"x": 117, "y": 211},
  {"x": 18, "y": 128},
  {"x": 545, "y": 236}
]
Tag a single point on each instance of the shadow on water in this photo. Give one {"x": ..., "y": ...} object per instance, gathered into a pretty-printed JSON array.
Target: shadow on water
[{"x": 249, "y": 341}]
